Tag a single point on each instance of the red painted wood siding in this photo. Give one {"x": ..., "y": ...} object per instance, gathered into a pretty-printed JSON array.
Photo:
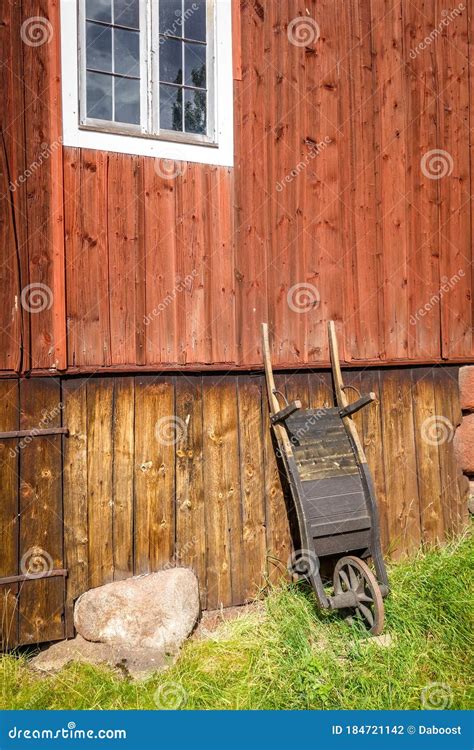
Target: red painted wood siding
[{"x": 152, "y": 271}]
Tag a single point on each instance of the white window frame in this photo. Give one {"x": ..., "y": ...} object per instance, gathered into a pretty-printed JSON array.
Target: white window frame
[{"x": 78, "y": 131}]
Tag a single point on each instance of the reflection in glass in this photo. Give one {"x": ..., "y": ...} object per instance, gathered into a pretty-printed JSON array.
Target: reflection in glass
[
  {"x": 127, "y": 52},
  {"x": 127, "y": 13},
  {"x": 99, "y": 47},
  {"x": 99, "y": 10},
  {"x": 127, "y": 100},
  {"x": 171, "y": 63},
  {"x": 99, "y": 96},
  {"x": 171, "y": 108},
  {"x": 195, "y": 65},
  {"x": 195, "y": 111},
  {"x": 195, "y": 20},
  {"x": 171, "y": 19}
]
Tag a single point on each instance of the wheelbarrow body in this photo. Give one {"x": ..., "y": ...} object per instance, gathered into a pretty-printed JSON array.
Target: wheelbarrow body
[{"x": 333, "y": 494}]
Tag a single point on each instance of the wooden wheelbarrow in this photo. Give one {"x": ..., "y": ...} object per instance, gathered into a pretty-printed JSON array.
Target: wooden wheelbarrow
[{"x": 333, "y": 493}]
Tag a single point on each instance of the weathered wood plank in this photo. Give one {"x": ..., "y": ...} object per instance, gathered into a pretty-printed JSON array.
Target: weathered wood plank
[
  {"x": 123, "y": 476},
  {"x": 222, "y": 492},
  {"x": 75, "y": 498},
  {"x": 41, "y": 602},
  {"x": 252, "y": 483},
  {"x": 9, "y": 483},
  {"x": 190, "y": 499},
  {"x": 99, "y": 480},
  {"x": 400, "y": 462},
  {"x": 427, "y": 456},
  {"x": 156, "y": 431}
]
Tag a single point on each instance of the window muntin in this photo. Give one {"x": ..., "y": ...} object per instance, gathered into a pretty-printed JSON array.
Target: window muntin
[{"x": 147, "y": 66}]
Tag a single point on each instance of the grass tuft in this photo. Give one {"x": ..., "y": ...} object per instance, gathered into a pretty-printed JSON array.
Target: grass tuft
[{"x": 293, "y": 657}]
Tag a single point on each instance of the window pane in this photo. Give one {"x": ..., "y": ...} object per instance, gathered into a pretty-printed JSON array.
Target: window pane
[
  {"x": 127, "y": 100},
  {"x": 171, "y": 64},
  {"x": 171, "y": 20},
  {"x": 99, "y": 96},
  {"x": 99, "y": 47},
  {"x": 195, "y": 111},
  {"x": 171, "y": 108},
  {"x": 195, "y": 65},
  {"x": 100, "y": 10},
  {"x": 195, "y": 20},
  {"x": 127, "y": 52},
  {"x": 127, "y": 13}
]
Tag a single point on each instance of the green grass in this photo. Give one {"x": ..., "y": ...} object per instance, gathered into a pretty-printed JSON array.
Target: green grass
[{"x": 290, "y": 656}]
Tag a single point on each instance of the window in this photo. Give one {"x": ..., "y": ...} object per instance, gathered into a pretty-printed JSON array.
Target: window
[{"x": 149, "y": 72}]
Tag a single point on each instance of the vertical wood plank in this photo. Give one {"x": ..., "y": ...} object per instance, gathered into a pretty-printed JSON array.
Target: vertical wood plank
[
  {"x": 126, "y": 264},
  {"x": 87, "y": 247},
  {"x": 9, "y": 483},
  {"x": 387, "y": 35},
  {"x": 400, "y": 462},
  {"x": 156, "y": 431},
  {"x": 162, "y": 286},
  {"x": 454, "y": 186},
  {"x": 99, "y": 480},
  {"x": 45, "y": 198},
  {"x": 41, "y": 601},
  {"x": 427, "y": 456},
  {"x": 190, "y": 498},
  {"x": 252, "y": 483},
  {"x": 123, "y": 476},
  {"x": 75, "y": 494},
  {"x": 222, "y": 492}
]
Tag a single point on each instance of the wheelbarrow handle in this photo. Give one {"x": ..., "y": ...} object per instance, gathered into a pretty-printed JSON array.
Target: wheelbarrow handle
[{"x": 350, "y": 409}]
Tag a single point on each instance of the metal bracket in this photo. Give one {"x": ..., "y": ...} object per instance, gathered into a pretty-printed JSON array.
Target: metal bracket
[{"x": 34, "y": 433}]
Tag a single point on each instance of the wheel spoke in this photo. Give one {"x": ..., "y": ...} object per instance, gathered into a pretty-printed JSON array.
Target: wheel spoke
[
  {"x": 367, "y": 614},
  {"x": 344, "y": 578},
  {"x": 353, "y": 577},
  {"x": 364, "y": 598}
]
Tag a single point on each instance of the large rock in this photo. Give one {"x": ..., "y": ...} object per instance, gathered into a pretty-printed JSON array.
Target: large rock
[
  {"x": 466, "y": 387},
  {"x": 464, "y": 444},
  {"x": 156, "y": 611}
]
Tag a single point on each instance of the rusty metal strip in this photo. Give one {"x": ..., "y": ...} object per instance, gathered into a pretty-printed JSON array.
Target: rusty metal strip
[
  {"x": 32, "y": 577},
  {"x": 34, "y": 433}
]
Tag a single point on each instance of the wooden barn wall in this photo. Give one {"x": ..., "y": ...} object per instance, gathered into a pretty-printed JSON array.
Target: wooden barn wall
[
  {"x": 183, "y": 271},
  {"x": 162, "y": 471}
]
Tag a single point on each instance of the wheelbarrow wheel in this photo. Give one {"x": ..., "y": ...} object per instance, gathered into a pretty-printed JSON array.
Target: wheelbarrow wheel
[{"x": 352, "y": 574}]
